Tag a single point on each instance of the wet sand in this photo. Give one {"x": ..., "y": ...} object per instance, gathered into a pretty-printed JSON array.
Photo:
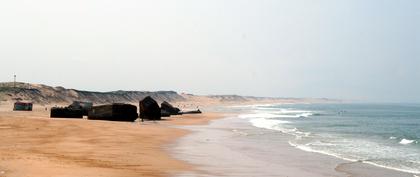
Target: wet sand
[
  {"x": 231, "y": 147},
  {"x": 33, "y": 145}
]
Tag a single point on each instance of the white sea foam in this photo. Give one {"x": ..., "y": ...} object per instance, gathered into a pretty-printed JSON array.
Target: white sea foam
[
  {"x": 302, "y": 115},
  {"x": 273, "y": 115},
  {"x": 265, "y": 119},
  {"x": 293, "y": 111},
  {"x": 406, "y": 141},
  {"x": 278, "y": 125},
  {"x": 392, "y": 168},
  {"x": 270, "y": 118},
  {"x": 253, "y": 106},
  {"x": 309, "y": 149},
  {"x": 258, "y": 115},
  {"x": 272, "y": 124},
  {"x": 281, "y": 111},
  {"x": 319, "y": 143},
  {"x": 306, "y": 114},
  {"x": 267, "y": 108}
]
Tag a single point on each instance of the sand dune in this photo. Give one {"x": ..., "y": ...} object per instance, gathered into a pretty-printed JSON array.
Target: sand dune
[{"x": 48, "y": 95}]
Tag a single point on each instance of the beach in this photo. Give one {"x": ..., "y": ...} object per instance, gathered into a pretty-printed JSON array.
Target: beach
[
  {"x": 230, "y": 147},
  {"x": 201, "y": 88},
  {"x": 216, "y": 143},
  {"x": 35, "y": 145}
]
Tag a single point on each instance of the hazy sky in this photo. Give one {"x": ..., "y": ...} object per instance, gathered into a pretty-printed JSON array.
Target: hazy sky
[{"x": 349, "y": 49}]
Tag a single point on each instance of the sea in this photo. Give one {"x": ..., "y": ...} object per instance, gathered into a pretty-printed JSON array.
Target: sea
[
  {"x": 260, "y": 139},
  {"x": 385, "y": 135}
]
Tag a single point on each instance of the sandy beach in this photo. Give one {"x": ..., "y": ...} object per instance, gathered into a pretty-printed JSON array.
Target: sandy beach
[
  {"x": 35, "y": 145},
  {"x": 210, "y": 144},
  {"x": 289, "y": 88},
  {"x": 231, "y": 147}
]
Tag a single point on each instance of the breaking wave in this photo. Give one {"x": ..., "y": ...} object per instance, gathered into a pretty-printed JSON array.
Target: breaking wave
[
  {"x": 387, "y": 153},
  {"x": 407, "y": 141}
]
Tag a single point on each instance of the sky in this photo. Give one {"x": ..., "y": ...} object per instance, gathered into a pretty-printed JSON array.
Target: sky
[{"x": 366, "y": 50}]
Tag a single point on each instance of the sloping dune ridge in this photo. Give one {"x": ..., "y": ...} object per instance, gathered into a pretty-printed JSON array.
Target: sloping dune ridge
[{"x": 46, "y": 95}]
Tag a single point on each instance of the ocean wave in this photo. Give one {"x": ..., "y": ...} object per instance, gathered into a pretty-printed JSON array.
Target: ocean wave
[
  {"x": 267, "y": 108},
  {"x": 274, "y": 124},
  {"x": 253, "y": 106},
  {"x": 274, "y": 115},
  {"x": 319, "y": 143},
  {"x": 407, "y": 141},
  {"x": 383, "y": 152},
  {"x": 290, "y": 111},
  {"x": 258, "y": 115},
  {"x": 307, "y": 114},
  {"x": 282, "y": 111},
  {"x": 307, "y": 148},
  {"x": 412, "y": 171}
]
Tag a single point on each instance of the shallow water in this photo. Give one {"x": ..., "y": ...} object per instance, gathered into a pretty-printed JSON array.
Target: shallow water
[
  {"x": 379, "y": 134},
  {"x": 305, "y": 140},
  {"x": 233, "y": 147}
]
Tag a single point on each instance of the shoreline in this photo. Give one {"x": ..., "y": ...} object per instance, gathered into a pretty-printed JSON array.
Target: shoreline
[
  {"x": 38, "y": 146},
  {"x": 355, "y": 162},
  {"x": 348, "y": 162},
  {"x": 297, "y": 166},
  {"x": 189, "y": 120},
  {"x": 352, "y": 161}
]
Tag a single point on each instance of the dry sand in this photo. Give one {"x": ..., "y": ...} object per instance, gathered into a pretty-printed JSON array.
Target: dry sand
[{"x": 33, "y": 145}]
